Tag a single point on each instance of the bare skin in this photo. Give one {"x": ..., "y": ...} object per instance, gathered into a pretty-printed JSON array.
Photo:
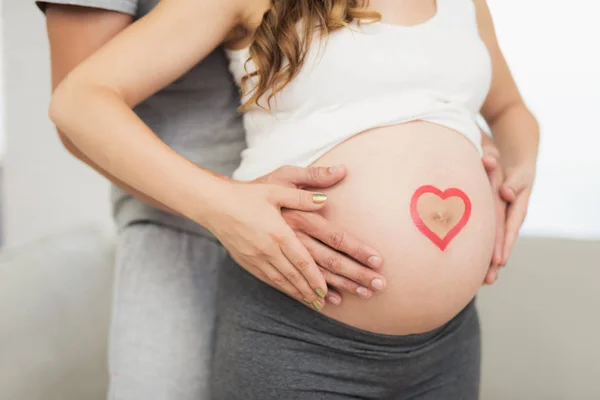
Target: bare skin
[
  {"x": 513, "y": 127},
  {"x": 445, "y": 215},
  {"x": 124, "y": 72},
  {"x": 426, "y": 287}
]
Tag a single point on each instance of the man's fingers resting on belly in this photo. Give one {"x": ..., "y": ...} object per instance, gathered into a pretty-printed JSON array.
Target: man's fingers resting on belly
[{"x": 342, "y": 272}]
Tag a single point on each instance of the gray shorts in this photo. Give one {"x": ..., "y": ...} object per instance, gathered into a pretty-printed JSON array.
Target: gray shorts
[
  {"x": 163, "y": 315},
  {"x": 269, "y": 347}
]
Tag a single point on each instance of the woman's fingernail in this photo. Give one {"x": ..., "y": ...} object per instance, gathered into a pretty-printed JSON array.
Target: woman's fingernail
[
  {"x": 363, "y": 292},
  {"x": 320, "y": 293},
  {"x": 377, "y": 284},
  {"x": 319, "y": 198},
  {"x": 307, "y": 301},
  {"x": 374, "y": 261},
  {"x": 317, "y": 305}
]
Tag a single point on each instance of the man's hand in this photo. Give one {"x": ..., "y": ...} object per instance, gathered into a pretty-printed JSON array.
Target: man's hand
[{"x": 345, "y": 261}]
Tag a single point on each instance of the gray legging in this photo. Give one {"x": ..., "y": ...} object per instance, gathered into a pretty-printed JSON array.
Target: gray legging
[{"x": 269, "y": 347}]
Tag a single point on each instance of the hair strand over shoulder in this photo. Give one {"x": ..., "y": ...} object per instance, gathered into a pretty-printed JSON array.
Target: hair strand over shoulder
[{"x": 282, "y": 40}]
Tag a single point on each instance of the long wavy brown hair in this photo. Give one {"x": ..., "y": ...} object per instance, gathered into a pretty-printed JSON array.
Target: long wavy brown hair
[{"x": 282, "y": 40}]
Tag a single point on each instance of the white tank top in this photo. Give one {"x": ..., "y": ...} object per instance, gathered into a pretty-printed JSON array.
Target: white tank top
[{"x": 368, "y": 76}]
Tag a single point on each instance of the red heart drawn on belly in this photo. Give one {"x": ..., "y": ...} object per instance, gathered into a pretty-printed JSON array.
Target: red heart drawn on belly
[{"x": 440, "y": 242}]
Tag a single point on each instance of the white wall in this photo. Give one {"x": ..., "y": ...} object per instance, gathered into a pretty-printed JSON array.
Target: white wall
[
  {"x": 2, "y": 133},
  {"x": 551, "y": 47},
  {"x": 45, "y": 189}
]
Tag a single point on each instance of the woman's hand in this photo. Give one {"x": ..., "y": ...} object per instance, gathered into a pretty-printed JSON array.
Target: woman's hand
[
  {"x": 248, "y": 222},
  {"x": 512, "y": 190},
  {"x": 516, "y": 191},
  {"x": 491, "y": 163}
]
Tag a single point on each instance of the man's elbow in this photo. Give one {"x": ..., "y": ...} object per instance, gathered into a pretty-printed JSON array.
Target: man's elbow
[
  {"x": 60, "y": 106},
  {"x": 68, "y": 145}
]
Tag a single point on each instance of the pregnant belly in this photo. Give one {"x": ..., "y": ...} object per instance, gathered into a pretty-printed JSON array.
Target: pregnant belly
[{"x": 429, "y": 280}]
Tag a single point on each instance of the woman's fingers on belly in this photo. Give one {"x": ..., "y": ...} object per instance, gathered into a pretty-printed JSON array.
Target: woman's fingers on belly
[
  {"x": 515, "y": 216},
  {"x": 500, "y": 230},
  {"x": 315, "y": 225},
  {"x": 346, "y": 285},
  {"x": 496, "y": 178},
  {"x": 340, "y": 271},
  {"x": 492, "y": 275}
]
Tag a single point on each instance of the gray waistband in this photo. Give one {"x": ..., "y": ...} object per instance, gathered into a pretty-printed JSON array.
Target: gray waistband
[{"x": 252, "y": 292}]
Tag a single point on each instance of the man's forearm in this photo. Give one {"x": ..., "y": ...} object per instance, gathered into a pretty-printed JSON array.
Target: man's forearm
[
  {"x": 74, "y": 34},
  {"x": 128, "y": 189},
  {"x": 516, "y": 134}
]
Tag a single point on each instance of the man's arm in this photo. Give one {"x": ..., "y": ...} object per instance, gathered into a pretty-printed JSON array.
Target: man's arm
[{"x": 74, "y": 34}]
